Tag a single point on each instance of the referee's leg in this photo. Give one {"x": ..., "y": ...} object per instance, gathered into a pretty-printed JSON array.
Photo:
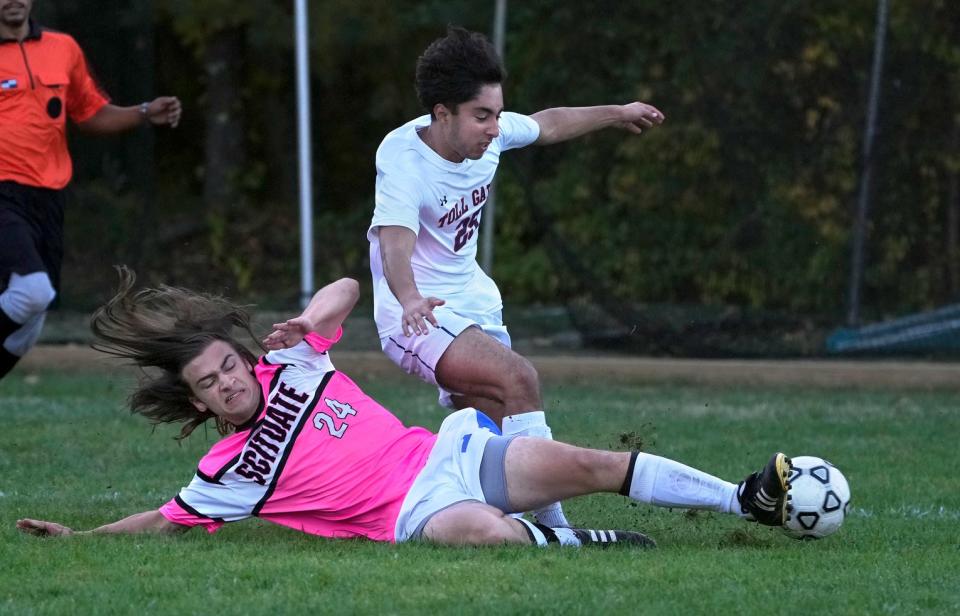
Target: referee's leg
[
  {"x": 31, "y": 225},
  {"x": 23, "y": 306},
  {"x": 7, "y": 359}
]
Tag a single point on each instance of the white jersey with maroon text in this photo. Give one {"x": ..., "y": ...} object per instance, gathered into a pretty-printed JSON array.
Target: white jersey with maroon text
[
  {"x": 319, "y": 455},
  {"x": 441, "y": 201}
]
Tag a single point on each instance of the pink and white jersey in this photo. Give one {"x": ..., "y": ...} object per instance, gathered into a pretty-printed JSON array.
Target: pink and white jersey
[
  {"x": 319, "y": 455},
  {"x": 442, "y": 202}
]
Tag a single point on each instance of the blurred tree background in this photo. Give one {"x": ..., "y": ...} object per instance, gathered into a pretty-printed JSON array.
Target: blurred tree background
[{"x": 735, "y": 215}]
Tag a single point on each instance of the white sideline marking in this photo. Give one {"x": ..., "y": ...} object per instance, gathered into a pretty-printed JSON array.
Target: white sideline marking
[{"x": 909, "y": 511}]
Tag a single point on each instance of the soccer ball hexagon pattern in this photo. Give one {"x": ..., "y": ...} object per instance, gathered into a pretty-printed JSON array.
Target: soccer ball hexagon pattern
[{"x": 819, "y": 497}]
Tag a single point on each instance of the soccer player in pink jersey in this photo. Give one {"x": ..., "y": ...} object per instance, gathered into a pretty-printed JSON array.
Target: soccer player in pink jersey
[{"x": 305, "y": 447}]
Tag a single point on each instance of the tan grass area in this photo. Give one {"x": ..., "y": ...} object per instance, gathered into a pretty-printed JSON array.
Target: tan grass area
[{"x": 583, "y": 367}]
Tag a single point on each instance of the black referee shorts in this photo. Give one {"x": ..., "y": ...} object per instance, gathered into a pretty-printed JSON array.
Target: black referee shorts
[{"x": 31, "y": 232}]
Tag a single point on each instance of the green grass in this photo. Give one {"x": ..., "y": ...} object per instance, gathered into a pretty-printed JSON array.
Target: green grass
[{"x": 69, "y": 452}]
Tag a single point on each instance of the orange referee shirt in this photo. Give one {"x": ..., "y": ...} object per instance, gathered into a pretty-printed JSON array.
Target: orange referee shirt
[{"x": 43, "y": 79}]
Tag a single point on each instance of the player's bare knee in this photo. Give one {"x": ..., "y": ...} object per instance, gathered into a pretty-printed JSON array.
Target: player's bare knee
[
  {"x": 28, "y": 295},
  {"x": 38, "y": 302},
  {"x": 524, "y": 382}
]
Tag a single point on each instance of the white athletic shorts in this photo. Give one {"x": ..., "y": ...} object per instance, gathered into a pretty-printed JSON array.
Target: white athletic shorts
[
  {"x": 419, "y": 355},
  {"x": 452, "y": 472}
]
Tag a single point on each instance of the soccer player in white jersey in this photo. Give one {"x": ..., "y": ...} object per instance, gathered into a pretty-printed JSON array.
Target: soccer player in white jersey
[
  {"x": 304, "y": 447},
  {"x": 439, "y": 316}
]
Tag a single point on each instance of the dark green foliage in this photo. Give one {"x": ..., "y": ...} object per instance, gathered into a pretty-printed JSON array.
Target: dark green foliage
[{"x": 744, "y": 197}]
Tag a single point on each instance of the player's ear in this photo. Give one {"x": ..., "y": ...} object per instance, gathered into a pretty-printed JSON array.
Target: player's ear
[
  {"x": 441, "y": 112},
  {"x": 200, "y": 406}
]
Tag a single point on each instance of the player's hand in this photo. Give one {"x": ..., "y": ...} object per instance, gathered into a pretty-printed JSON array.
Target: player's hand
[
  {"x": 288, "y": 334},
  {"x": 39, "y": 528},
  {"x": 417, "y": 313},
  {"x": 164, "y": 111},
  {"x": 638, "y": 116}
]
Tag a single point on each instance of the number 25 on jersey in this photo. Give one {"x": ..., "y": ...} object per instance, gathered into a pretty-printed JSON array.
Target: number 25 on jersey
[{"x": 465, "y": 230}]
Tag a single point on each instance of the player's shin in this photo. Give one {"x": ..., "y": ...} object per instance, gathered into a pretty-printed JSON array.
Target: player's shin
[
  {"x": 665, "y": 483},
  {"x": 534, "y": 424}
]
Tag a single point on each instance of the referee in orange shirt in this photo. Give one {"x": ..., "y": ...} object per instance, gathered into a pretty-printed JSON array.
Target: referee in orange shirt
[{"x": 43, "y": 81}]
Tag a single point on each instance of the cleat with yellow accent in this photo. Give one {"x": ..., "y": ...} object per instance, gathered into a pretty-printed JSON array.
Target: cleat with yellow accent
[{"x": 763, "y": 495}]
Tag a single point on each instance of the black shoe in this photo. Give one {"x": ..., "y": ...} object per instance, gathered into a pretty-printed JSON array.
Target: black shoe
[
  {"x": 763, "y": 495},
  {"x": 606, "y": 538},
  {"x": 7, "y": 361}
]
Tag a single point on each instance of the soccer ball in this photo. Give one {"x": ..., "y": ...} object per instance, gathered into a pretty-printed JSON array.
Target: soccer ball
[{"x": 819, "y": 498}]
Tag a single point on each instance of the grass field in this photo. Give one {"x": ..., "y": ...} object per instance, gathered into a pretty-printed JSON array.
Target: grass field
[{"x": 70, "y": 453}]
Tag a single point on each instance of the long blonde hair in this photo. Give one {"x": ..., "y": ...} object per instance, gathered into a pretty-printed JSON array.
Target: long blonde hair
[{"x": 162, "y": 330}]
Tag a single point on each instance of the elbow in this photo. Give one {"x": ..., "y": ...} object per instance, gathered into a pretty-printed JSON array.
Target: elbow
[
  {"x": 162, "y": 525},
  {"x": 547, "y": 128},
  {"x": 345, "y": 290},
  {"x": 345, "y": 285},
  {"x": 89, "y": 127},
  {"x": 166, "y": 527},
  {"x": 547, "y": 137},
  {"x": 351, "y": 288}
]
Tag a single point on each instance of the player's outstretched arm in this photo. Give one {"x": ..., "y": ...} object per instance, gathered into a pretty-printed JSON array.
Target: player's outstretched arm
[
  {"x": 324, "y": 315},
  {"x": 146, "y": 522},
  {"x": 563, "y": 123},
  {"x": 396, "y": 250},
  {"x": 162, "y": 111}
]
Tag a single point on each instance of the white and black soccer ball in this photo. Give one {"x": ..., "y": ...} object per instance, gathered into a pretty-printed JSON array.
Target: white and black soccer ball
[{"x": 819, "y": 498}]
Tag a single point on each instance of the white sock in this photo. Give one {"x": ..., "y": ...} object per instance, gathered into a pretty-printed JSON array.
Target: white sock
[
  {"x": 665, "y": 483},
  {"x": 542, "y": 535},
  {"x": 534, "y": 423}
]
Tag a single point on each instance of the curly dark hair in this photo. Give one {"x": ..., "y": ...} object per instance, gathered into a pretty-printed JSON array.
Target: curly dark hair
[
  {"x": 162, "y": 330},
  {"x": 453, "y": 69}
]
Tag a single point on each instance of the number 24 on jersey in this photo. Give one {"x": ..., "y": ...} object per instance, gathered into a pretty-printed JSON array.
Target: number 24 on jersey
[{"x": 324, "y": 421}]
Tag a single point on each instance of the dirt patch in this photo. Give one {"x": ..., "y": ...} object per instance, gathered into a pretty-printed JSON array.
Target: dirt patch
[{"x": 584, "y": 368}]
